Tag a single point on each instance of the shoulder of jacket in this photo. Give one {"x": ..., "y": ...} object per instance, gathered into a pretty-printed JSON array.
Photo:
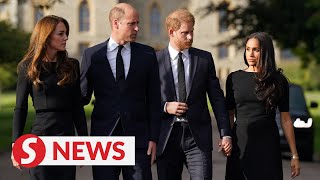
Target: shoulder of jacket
[
  {"x": 139, "y": 45},
  {"x": 199, "y": 51},
  {"x": 96, "y": 47}
]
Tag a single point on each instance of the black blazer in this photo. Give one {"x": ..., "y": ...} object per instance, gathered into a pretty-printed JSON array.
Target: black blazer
[
  {"x": 202, "y": 81},
  {"x": 58, "y": 108},
  {"x": 138, "y": 104}
]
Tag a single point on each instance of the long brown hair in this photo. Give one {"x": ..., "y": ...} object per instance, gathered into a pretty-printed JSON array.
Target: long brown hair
[
  {"x": 269, "y": 78},
  {"x": 37, "y": 48}
]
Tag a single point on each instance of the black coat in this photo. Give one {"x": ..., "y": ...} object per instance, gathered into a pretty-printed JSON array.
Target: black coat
[
  {"x": 58, "y": 108},
  {"x": 138, "y": 104},
  {"x": 202, "y": 81}
]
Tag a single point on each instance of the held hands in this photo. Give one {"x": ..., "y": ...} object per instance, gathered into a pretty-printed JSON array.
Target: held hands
[
  {"x": 225, "y": 145},
  {"x": 176, "y": 108},
  {"x": 152, "y": 149},
  {"x": 14, "y": 162},
  {"x": 295, "y": 167}
]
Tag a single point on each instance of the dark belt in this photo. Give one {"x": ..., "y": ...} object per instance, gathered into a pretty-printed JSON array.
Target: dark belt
[
  {"x": 53, "y": 110},
  {"x": 182, "y": 123}
]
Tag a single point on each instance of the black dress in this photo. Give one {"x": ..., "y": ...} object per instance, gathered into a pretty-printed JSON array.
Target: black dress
[
  {"x": 58, "y": 112},
  {"x": 256, "y": 145}
]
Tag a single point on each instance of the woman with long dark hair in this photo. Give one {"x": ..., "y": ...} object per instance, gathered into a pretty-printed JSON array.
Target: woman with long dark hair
[
  {"x": 253, "y": 96},
  {"x": 52, "y": 80}
]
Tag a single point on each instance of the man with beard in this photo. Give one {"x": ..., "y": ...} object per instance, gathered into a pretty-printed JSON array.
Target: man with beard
[{"x": 187, "y": 75}]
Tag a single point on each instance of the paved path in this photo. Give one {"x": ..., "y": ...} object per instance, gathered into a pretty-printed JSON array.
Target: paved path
[{"x": 310, "y": 170}]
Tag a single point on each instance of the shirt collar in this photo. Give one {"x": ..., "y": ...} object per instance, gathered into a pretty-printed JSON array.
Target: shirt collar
[
  {"x": 174, "y": 53},
  {"x": 112, "y": 45}
]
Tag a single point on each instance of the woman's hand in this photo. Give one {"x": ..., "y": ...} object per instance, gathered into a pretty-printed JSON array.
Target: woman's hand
[
  {"x": 14, "y": 162},
  {"x": 295, "y": 167}
]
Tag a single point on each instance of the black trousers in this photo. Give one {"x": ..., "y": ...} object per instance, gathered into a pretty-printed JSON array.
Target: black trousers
[
  {"x": 140, "y": 171},
  {"x": 53, "y": 173},
  {"x": 182, "y": 149}
]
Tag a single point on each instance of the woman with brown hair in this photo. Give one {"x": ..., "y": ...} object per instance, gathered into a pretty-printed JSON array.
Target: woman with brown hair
[
  {"x": 52, "y": 79},
  {"x": 253, "y": 96}
]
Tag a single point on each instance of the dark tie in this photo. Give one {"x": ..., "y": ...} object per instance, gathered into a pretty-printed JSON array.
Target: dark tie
[
  {"x": 181, "y": 80},
  {"x": 119, "y": 65}
]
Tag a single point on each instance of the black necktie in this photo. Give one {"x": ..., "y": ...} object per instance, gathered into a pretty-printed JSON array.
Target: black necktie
[
  {"x": 181, "y": 80},
  {"x": 119, "y": 65}
]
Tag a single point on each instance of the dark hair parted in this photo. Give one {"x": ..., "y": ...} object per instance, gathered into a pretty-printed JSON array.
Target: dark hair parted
[
  {"x": 268, "y": 78},
  {"x": 37, "y": 48}
]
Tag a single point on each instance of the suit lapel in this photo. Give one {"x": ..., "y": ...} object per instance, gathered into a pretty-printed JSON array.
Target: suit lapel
[
  {"x": 193, "y": 67},
  {"x": 168, "y": 68},
  {"x": 133, "y": 60},
  {"x": 103, "y": 59}
]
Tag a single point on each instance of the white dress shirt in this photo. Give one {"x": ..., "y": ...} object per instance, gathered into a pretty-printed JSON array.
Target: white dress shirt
[
  {"x": 112, "y": 50},
  {"x": 174, "y": 55}
]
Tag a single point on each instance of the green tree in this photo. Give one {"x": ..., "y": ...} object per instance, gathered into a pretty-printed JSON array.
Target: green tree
[
  {"x": 8, "y": 76},
  {"x": 294, "y": 24},
  {"x": 13, "y": 43}
]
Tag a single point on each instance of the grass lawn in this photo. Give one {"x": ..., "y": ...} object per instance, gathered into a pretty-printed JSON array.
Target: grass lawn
[
  {"x": 7, "y": 104},
  {"x": 315, "y": 112}
]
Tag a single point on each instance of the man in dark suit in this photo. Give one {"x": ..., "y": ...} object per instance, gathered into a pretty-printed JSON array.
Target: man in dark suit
[
  {"x": 187, "y": 75},
  {"x": 124, "y": 77}
]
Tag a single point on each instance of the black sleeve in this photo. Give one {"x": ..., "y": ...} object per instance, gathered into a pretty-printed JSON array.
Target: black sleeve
[
  {"x": 231, "y": 104},
  {"x": 21, "y": 109},
  {"x": 153, "y": 98},
  {"x": 217, "y": 100},
  {"x": 85, "y": 82},
  {"x": 283, "y": 105},
  {"x": 78, "y": 113}
]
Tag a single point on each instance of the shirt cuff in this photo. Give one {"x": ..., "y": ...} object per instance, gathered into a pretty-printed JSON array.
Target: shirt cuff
[
  {"x": 229, "y": 137},
  {"x": 165, "y": 107}
]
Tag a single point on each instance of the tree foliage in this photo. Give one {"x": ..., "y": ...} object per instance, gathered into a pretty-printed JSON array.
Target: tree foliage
[
  {"x": 8, "y": 76},
  {"x": 13, "y": 43},
  {"x": 294, "y": 24}
]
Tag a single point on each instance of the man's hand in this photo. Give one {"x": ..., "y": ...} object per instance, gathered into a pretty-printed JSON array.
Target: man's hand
[
  {"x": 226, "y": 145},
  {"x": 176, "y": 108},
  {"x": 152, "y": 149}
]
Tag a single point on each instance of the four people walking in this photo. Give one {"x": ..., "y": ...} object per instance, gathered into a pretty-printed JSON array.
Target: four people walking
[{"x": 159, "y": 98}]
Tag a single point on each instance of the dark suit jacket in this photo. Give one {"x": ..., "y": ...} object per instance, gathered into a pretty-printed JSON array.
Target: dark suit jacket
[
  {"x": 58, "y": 108},
  {"x": 202, "y": 81},
  {"x": 138, "y": 105}
]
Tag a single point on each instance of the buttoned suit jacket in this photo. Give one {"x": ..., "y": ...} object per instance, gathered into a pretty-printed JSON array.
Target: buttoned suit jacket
[
  {"x": 202, "y": 82},
  {"x": 137, "y": 104}
]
